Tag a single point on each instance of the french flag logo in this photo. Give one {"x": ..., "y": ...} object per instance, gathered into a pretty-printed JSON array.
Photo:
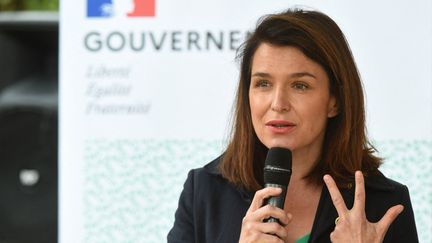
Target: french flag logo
[{"x": 113, "y": 8}]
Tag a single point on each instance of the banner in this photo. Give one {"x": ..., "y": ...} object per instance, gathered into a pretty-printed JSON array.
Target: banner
[{"x": 146, "y": 94}]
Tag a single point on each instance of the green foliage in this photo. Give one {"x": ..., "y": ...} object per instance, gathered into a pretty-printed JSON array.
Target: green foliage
[
  {"x": 8, "y": 5},
  {"x": 39, "y": 4},
  {"x": 29, "y": 5}
]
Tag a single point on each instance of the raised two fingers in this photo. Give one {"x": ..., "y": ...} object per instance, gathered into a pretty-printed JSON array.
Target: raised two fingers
[{"x": 359, "y": 198}]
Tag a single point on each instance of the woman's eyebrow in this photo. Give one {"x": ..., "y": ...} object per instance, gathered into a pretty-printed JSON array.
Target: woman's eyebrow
[
  {"x": 302, "y": 74},
  {"x": 293, "y": 75},
  {"x": 261, "y": 75}
]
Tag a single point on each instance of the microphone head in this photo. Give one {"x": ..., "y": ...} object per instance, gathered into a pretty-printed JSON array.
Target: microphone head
[{"x": 277, "y": 166}]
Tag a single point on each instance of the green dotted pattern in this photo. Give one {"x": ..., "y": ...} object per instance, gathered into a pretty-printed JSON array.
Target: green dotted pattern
[
  {"x": 410, "y": 163},
  {"x": 131, "y": 187}
]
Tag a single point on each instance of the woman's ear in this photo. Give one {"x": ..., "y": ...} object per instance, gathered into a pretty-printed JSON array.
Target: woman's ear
[{"x": 333, "y": 109}]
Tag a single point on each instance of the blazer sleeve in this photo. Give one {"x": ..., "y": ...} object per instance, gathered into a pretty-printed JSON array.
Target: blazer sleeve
[
  {"x": 183, "y": 229},
  {"x": 403, "y": 228}
]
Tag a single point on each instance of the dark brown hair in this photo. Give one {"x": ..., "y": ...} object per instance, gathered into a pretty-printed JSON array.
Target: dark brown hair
[{"x": 345, "y": 147}]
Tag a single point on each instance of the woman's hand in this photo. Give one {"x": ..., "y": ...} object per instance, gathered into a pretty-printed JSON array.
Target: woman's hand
[
  {"x": 254, "y": 229},
  {"x": 352, "y": 225}
]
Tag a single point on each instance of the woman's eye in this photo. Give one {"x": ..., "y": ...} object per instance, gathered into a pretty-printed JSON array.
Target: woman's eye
[
  {"x": 262, "y": 83},
  {"x": 300, "y": 86}
]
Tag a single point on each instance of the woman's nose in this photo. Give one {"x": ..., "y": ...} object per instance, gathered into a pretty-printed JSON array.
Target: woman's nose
[{"x": 280, "y": 102}]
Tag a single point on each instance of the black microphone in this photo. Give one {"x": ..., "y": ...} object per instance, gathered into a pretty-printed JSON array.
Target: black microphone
[{"x": 277, "y": 173}]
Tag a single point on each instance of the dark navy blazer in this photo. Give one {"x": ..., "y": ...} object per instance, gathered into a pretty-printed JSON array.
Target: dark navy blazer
[{"x": 211, "y": 209}]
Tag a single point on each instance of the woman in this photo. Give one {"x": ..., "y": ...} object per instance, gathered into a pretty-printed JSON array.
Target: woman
[{"x": 299, "y": 89}]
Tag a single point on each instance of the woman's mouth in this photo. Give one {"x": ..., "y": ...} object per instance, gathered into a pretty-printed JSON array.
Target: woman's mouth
[{"x": 280, "y": 126}]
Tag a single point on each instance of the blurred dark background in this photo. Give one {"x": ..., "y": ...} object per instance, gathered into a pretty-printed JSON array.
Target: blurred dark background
[{"x": 28, "y": 120}]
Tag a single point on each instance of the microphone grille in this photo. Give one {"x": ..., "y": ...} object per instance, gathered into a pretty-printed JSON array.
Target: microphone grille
[{"x": 277, "y": 166}]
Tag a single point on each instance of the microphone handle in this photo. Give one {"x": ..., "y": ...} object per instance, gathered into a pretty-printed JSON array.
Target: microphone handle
[{"x": 277, "y": 201}]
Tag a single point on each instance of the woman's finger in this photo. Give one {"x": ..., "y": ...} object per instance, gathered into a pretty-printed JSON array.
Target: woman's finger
[
  {"x": 254, "y": 230},
  {"x": 360, "y": 195},
  {"x": 335, "y": 195},
  {"x": 262, "y": 232},
  {"x": 274, "y": 228},
  {"x": 389, "y": 217},
  {"x": 274, "y": 212},
  {"x": 262, "y": 194},
  {"x": 269, "y": 211}
]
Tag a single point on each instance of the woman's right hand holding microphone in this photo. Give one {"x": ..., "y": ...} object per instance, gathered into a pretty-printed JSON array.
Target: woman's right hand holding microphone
[{"x": 254, "y": 229}]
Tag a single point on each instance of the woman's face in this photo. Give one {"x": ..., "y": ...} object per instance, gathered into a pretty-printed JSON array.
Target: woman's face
[{"x": 289, "y": 99}]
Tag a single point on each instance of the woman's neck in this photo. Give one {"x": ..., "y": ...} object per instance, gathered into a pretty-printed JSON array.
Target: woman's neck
[{"x": 303, "y": 163}]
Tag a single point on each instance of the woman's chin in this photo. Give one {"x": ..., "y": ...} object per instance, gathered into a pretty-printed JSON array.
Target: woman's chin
[{"x": 280, "y": 144}]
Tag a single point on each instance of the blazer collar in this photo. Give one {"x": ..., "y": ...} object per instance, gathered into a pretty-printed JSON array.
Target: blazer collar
[{"x": 213, "y": 169}]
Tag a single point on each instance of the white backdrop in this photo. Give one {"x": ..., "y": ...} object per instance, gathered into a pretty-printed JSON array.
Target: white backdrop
[{"x": 144, "y": 99}]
